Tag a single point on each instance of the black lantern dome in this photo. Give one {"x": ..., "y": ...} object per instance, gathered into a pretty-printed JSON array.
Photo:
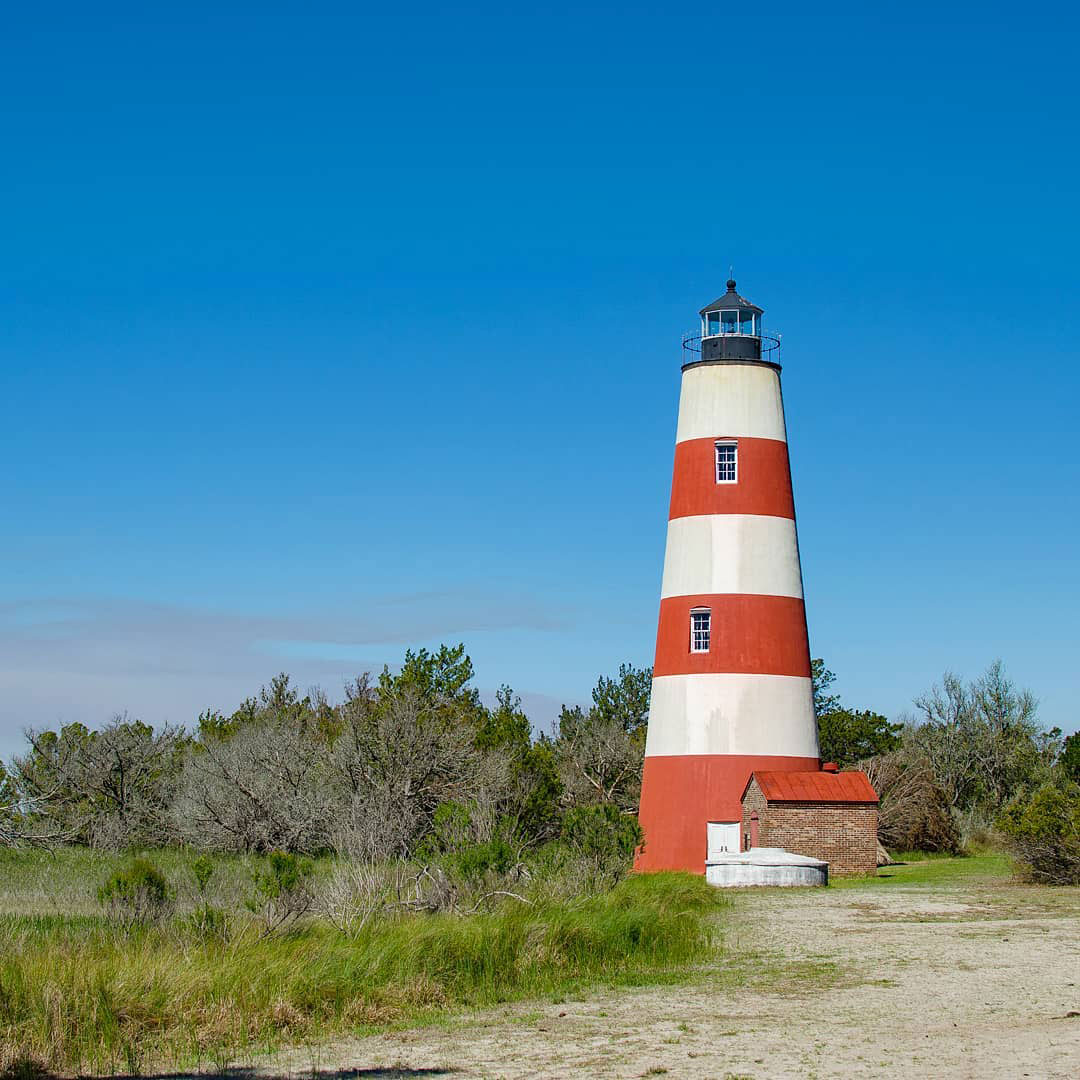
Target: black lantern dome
[{"x": 731, "y": 328}]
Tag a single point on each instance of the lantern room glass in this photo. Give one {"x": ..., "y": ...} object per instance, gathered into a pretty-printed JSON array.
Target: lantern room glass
[{"x": 741, "y": 323}]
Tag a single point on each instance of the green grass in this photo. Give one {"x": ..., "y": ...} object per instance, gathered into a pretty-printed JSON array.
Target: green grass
[
  {"x": 78, "y": 993},
  {"x": 920, "y": 868},
  {"x": 66, "y": 881}
]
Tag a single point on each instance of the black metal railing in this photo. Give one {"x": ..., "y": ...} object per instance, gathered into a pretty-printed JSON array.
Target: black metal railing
[{"x": 770, "y": 345}]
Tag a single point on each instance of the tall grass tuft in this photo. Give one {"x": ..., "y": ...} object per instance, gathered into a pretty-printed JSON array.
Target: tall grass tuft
[{"x": 85, "y": 994}]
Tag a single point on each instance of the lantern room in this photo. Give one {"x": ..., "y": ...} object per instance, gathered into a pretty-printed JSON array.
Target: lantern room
[{"x": 731, "y": 328}]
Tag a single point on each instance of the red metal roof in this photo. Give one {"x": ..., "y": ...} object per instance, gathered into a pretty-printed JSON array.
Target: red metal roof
[{"x": 838, "y": 787}]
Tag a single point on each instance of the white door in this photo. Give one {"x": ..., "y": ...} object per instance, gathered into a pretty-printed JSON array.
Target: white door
[{"x": 723, "y": 839}]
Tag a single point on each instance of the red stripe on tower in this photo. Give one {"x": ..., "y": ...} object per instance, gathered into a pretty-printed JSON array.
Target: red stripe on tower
[
  {"x": 694, "y": 489},
  {"x": 731, "y": 681},
  {"x": 755, "y": 635}
]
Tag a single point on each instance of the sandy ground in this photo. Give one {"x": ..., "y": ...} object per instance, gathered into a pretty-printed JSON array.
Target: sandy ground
[{"x": 963, "y": 981}]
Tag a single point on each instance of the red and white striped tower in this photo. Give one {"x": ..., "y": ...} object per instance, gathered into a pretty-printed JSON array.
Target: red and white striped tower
[{"x": 731, "y": 688}]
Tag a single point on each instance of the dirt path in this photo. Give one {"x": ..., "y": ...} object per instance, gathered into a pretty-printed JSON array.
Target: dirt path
[{"x": 975, "y": 980}]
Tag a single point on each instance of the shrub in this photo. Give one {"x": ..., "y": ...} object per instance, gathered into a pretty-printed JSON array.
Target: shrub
[
  {"x": 456, "y": 841},
  {"x": 604, "y": 838},
  {"x": 913, "y": 812},
  {"x": 202, "y": 870},
  {"x": 282, "y": 890},
  {"x": 358, "y": 891},
  {"x": 1043, "y": 832},
  {"x": 476, "y": 861},
  {"x": 136, "y": 893}
]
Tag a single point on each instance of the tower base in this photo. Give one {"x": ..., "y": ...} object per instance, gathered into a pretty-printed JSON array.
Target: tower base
[
  {"x": 766, "y": 866},
  {"x": 681, "y": 794}
]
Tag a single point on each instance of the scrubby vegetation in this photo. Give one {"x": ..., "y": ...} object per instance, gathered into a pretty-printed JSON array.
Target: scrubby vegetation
[
  {"x": 297, "y": 866},
  {"x": 98, "y": 993},
  {"x": 412, "y": 765},
  {"x": 1043, "y": 832},
  {"x": 408, "y": 764},
  {"x": 946, "y": 774}
]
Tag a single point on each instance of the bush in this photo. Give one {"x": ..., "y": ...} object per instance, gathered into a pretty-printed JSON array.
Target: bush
[
  {"x": 137, "y": 893},
  {"x": 1043, "y": 832},
  {"x": 604, "y": 838},
  {"x": 358, "y": 891},
  {"x": 282, "y": 890},
  {"x": 913, "y": 812},
  {"x": 202, "y": 870},
  {"x": 454, "y": 841}
]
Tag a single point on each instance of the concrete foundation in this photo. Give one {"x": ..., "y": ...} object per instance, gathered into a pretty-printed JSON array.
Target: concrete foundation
[{"x": 766, "y": 866}]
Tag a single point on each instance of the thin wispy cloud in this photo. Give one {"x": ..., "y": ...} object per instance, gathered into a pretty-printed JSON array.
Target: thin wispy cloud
[{"x": 67, "y": 658}]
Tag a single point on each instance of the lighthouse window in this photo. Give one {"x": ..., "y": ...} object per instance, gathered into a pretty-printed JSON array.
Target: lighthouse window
[
  {"x": 727, "y": 462},
  {"x": 700, "y": 629},
  {"x": 746, "y": 322},
  {"x": 729, "y": 322},
  {"x": 712, "y": 321}
]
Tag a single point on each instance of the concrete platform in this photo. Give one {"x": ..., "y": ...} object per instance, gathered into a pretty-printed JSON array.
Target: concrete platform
[{"x": 765, "y": 866}]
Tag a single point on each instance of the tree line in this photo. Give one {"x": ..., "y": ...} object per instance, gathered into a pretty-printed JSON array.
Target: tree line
[
  {"x": 972, "y": 765},
  {"x": 412, "y": 764},
  {"x": 409, "y": 763}
]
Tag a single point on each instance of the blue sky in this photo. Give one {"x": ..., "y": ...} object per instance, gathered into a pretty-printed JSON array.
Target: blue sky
[{"x": 325, "y": 332}]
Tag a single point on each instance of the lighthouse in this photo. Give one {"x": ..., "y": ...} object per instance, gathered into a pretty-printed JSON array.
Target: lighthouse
[{"x": 731, "y": 690}]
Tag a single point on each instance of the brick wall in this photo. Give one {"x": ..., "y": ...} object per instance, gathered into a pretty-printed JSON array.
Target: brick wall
[
  {"x": 842, "y": 834},
  {"x": 754, "y": 800}
]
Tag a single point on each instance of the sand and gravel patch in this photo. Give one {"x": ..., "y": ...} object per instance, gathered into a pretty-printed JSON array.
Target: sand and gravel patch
[{"x": 977, "y": 979}]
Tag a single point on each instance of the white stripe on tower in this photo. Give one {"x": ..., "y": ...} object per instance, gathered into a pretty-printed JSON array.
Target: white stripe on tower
[
  {"x": 729, "y": 709},
  {"x": 728, "y": 400},
  {"x": 732, "y": 553}
]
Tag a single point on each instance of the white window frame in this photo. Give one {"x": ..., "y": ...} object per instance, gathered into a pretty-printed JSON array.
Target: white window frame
[
  {"x": 755, "y": 324},
  {"x": 705, "y": 633},
  {"x": 734, "y": 443}
]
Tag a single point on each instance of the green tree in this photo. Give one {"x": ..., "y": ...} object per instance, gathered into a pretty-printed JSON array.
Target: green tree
[
  {"x": 625, "y": 700},
  {"x": 505, "y": 727},
  {"x": 822, "y": 678},
  {"x": 604, "y": 838},
  {"x": 535, "y": 777},
  {"x": 107, "y": 788},
  {"x": 848, "y": 736},
  {"x": 1070, "y": 757},
  {"x": 983, "y": 740},
  {"x": 600, "y": 750},
  {"x": 279, "y": 703},
  {"x": 437, "y": 677},
  {"x": 1043, "y": 831}
]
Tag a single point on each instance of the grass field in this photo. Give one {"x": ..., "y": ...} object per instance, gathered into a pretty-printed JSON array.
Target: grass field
[
  {"x": 79, "y": 993},
  {"x": 921, "y": 868}
]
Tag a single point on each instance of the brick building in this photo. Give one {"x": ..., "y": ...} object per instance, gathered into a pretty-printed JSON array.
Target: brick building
[{"x": 828, "y": 815}]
